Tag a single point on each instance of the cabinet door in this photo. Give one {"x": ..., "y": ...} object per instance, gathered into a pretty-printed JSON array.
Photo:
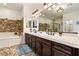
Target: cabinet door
[
  {"x": 63, "y": 49},
  {"x": 34, "y": 43},
  {"x": 28, "y": 40},
  {"x": 38, "y": 47},
  {"x": 59, "y": 53},
  {"x": 76, "y": 52},
  {"x": 46, "y": 50}
]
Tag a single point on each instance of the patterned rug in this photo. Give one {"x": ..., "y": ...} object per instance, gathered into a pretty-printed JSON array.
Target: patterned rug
[{"x": 17, "y": 50}]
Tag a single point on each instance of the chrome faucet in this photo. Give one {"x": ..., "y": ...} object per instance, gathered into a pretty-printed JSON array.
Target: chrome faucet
[
  {"x": 35, "y": 31},
  {"x": 49, "y": 31},
  {"x": 30, "y": 29}
]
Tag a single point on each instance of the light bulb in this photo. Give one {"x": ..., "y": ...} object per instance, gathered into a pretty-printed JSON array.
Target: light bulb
[
  {"x": 49, "y": 9},
  {"x": 53, "y": 6},
  {"x": 45, "y": 7}
]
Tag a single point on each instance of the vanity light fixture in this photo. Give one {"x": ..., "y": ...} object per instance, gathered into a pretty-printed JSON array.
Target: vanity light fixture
[
  {"x": 53, "y": 6},
  {"x": 45, "y": 5},
  {"x": 35, "y": 13},
  {"x": 60, "y": 9},
  {"x": 49, "y": 8},
  {"x": 50, "y": 4}
]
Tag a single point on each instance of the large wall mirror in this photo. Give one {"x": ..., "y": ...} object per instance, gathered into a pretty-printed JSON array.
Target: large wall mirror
[
  {"x": 66, "y": 20},
  {"x": 52, "y": 20}
]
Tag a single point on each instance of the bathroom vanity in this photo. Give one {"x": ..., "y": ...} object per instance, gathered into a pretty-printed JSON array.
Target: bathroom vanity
[
  {"x": 45, "y": 43},
  {"x": 49, "y": 45},
  {"x": 41, "y": 40}
]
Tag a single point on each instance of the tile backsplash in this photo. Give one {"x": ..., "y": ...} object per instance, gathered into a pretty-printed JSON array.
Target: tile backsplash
[{"x": 8, "y": 25}]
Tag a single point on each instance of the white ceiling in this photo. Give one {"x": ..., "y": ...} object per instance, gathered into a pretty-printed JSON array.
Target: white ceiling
[
  {"x": 74, "y": 7},
  {"x": 33, "y": 6},
  {"x": 18, "y": 6},
  {"x": 51, "y": 14},
  {"x": 14, "y": 6}
]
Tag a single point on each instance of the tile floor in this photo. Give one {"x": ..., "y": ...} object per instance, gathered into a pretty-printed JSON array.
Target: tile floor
[{"x": 17, "y": 50}]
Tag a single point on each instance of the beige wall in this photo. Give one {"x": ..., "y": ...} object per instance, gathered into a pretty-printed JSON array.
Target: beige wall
[
  {"x": 9, "y": 13},
  {"x": 27, "y": 13},
  {"x": 72, "y": 16}
]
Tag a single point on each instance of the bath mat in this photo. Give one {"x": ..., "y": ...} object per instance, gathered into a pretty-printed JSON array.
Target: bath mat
[{"x": 23, "y": 49}]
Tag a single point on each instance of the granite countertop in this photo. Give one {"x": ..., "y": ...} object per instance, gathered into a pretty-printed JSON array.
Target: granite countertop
[{"x": 66, "y": 39}]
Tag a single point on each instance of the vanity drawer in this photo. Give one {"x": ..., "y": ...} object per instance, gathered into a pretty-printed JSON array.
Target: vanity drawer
[
  {"x": 63, "y": 48},
  {"x": 59, "y": 53},
  {"x": 45, "y": 41}
]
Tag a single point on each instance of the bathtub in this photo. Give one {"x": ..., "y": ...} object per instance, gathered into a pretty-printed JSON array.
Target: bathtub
[{"x": 8, "y": 39}]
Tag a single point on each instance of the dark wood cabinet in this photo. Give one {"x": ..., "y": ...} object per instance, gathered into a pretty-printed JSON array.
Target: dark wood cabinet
[
  {"x": 62, "y": 50},
  {"x": 44, "y": 47},
  {"x": 33, "y": 43},
  {"x": 28, "y": 40},
  {"x": 46, "y": 50},
  {"x": 77, "y": 52},
  {"x": 59, "y": 53},
  {"x": 38, "y": 47}
]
